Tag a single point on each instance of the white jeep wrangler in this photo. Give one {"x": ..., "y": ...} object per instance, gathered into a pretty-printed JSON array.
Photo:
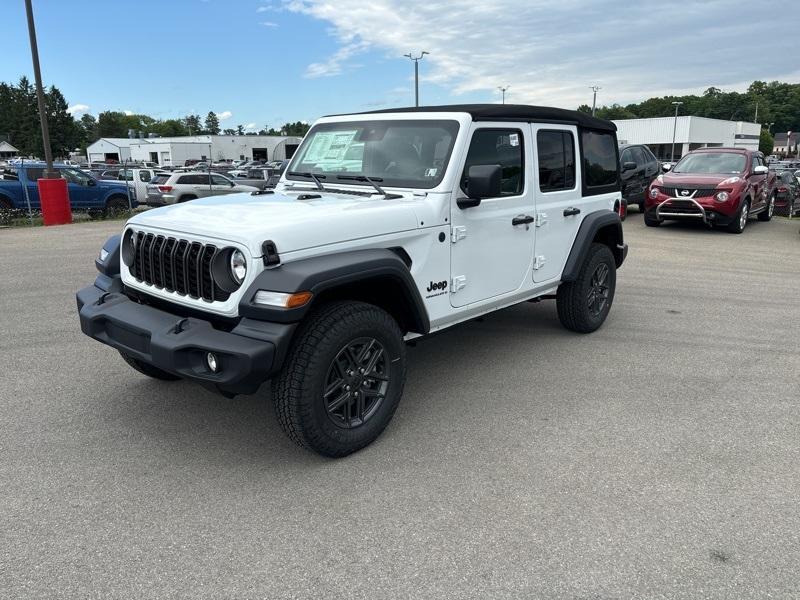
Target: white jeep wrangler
[{"x": 386, "y": 226}]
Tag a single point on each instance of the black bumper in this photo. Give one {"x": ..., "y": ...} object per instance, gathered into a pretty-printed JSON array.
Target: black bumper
[{"x": 248, "y": 354}]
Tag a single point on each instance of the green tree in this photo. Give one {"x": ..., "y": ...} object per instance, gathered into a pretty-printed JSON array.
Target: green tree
[
  {"x": 192, "y": 123},
  {"x": 212, "y": 123},
  {"x": 766, "y": 142},
  {"x": 239, "y": 130}
]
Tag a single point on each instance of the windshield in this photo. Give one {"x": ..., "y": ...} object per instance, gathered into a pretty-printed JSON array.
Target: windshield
[
  {"x": 408, "y": 153},
  {"x": 712, "y": 162}
]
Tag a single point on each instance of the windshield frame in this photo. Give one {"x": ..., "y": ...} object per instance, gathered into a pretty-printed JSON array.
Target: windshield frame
[
  {"x": 451, "y": 125},
  {"x": 693, "y": 156}
]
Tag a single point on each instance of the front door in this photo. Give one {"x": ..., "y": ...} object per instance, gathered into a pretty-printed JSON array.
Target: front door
[
  {"x": 490, "y": 254},
  {"x": 558, "y": 198}
]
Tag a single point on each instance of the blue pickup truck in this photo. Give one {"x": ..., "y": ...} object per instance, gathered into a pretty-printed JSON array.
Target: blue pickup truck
[{"x": 85, "y": 192}]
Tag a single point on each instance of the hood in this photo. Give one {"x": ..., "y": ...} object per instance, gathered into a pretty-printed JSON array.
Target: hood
[
  {"x": 291, "y": 223},
  {"x": 710, "y": 180}
]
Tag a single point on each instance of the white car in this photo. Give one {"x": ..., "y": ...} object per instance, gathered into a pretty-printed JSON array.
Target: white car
[
  {"x": 138, "y": 179},
  {"x": 455, "y": 212},
  {"x": 179, "y": 186}
]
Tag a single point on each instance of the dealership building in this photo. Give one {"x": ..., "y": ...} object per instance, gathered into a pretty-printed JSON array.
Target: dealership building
[
  {"x": 174, "y": 151},
  {"x": 690, "y": 133}
]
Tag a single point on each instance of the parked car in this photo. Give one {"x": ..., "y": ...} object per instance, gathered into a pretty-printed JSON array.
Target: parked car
[
  {"x": 138, "y": 179},
  {"x": 181, "y": 187},
  {"x": 787, "y": 197},
  {"x": 638, "y": 167},
  {"x": 85, "y": 192},
  {"x": 318, "y": 285},
  {"x": 261, "y": 178},
  {"x": 109, "y": 174},
  {"x": 721, "y": 187}
]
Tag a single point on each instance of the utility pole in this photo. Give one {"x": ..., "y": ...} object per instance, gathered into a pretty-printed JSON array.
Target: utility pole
[
  {"x": 674, "y": 131},
  {"x": 416, "y": 73},
  {"x": 594, "y": 89},
  {"x": 769, "y": 127},
  {"x": 503, "y": 89},
  {"x": 755, "y": 118},
  {"x": 49, "y": 173}
]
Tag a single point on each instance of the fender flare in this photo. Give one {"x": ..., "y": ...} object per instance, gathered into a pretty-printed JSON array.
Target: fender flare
[
  {"x": 601, "y": 221},
  {"x": 324, "y": 273}
]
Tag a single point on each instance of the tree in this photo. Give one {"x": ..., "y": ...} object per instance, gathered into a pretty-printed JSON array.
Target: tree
[
  {"x": 192, "y": 123},
  {"x": 212, "y": 123},
  {"x": 239, "y": 130},
  {"x": 229, "y": 132},
  {"x": 766, "y": 142}
]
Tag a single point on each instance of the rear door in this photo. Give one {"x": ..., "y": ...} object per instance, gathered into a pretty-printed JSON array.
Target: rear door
[
  {"x": 490, "y": 254},
  {"x": 558, "y": 198}
]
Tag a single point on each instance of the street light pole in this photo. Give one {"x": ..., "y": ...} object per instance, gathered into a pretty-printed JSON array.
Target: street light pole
[
  {"x": 674, "y": 131},
  {"x": 594, "y": 89},
  {"x": 503, "y": 89},
  {"x": 769, "y": 127},
  {"x": 416, "y": 73},
  {"x": 37, "y": 73}
]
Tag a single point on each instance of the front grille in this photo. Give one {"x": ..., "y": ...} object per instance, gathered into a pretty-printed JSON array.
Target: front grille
[
  {"x": 680, "y": 206},
  {"x": 177, "y": 266},
  {"x": 701, "y": 192}
]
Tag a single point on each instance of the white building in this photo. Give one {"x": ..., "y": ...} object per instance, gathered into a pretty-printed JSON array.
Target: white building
[
  {"x": 175, "y": 151},
  {"x": 690, "y": 133}
]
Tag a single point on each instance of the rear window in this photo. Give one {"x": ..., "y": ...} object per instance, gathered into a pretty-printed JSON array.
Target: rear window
[
  {"x": 599, "y": 151},
  {"x": 9, "y": 174}
]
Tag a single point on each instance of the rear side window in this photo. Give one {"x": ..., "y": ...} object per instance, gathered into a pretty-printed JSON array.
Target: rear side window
[
  {"x": 144, "y": 176},
  {"x": 498, "y": 147},
  {"x": 556, "y": 151},
  {"x": 159, "y": 179},
  {"x": 193, "y": 180},
  {"x": 599, "y": 151}
]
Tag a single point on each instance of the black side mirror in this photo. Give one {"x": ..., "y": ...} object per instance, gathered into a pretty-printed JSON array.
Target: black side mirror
[
  {"x": 91, "y": 182},
  {"x": 483, "y": 181},
  {"x": 628, "y": 166}
]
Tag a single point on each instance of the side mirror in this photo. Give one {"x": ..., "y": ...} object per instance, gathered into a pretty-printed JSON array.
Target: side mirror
[
  {"x": 666, "y": 166},
  {"x": 483, "y": 181},
  {"x": 760, "y": 170},
  {"x": 628, "y": 166},
  {"x": 91, "y": 182}
]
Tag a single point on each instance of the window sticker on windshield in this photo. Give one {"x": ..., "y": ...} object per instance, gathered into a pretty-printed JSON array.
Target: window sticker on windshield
[
  {"x": 514, "y": 139},
  {"x": 431, "y": 172}
]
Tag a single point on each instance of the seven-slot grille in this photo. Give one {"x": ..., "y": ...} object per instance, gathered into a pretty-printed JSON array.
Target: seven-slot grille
[
  {"x": 701, "y": 193},
  {"x": 176, "y": 266}
]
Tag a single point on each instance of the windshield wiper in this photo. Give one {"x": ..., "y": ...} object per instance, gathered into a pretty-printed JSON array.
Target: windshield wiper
[
  {"x": 316, "y": 177},
  {"x": 371, "y": 180}
]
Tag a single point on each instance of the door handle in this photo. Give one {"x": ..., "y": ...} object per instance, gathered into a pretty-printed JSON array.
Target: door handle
[
  {"x": 568, "y": 212},
  {"x": 521, "y": 220}
]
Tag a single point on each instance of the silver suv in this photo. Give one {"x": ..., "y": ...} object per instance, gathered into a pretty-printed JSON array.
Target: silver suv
[{"x": 180, "y": 187}]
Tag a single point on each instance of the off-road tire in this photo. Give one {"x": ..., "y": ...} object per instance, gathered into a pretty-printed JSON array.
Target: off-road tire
[
  {"x": 116, "y": 206},
  {"x": 573, "y": 298},
  {"x": 298, "y": 391},
  {"x": 737, "y": 225},
  {"x": 148, "y": 369},
  {"x": 651, "y": 222},
  {"x": 766, "y": 214}
]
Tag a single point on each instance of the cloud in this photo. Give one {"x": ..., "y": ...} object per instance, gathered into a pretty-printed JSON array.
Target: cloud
[
  {"x": 550, "y": 51},
  {"x": 77, "y": 108},
  {"x": 128, "y": 112},
  {"x": 250, "y": 126},
  {"x": 225, "y": 114},
  {"x": 268, "y": 24},
  {"x": 263, "y": 9}
]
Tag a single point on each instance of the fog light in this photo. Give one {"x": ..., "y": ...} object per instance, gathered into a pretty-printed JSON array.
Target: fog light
[{"x": 211, "y": 361}]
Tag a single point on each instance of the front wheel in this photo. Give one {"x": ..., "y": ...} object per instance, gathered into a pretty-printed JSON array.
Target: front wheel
[
  {"x": 583, "y": 304},
  {"x": 650, "y": 222},
  {"x": 342, "y": 380},
  {"x": 116, "y": 206},
  {"x": 766, "y": 215},
  {"x": 739, "y": 222}
]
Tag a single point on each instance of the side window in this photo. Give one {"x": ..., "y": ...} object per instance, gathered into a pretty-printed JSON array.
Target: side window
[
  {"x": 33, "y": 174},
  {"x": 189, "y": 180},
  {"x": 220, "y": 180},
  {"x": 498, "y": 147},
  {"x": 599, "y": 151},
  {"x": 9, "y": 174},
  {"x": 144, "y": 176},
  {"x": 625, "y": 157},
  {"x": 639, "y": 157},
  {"x": 556, "y": 150}
]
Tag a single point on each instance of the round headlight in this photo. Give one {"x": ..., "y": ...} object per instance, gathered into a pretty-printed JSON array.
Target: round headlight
[
  {"x": 654, "y": 192},
  {"x": 128, "y": 249},
  {"x": 238, "y": 266},
  {"x": 722, "y": 196}
]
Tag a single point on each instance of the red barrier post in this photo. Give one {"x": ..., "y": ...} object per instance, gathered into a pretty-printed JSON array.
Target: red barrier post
[{"x": 54, "y": 198}]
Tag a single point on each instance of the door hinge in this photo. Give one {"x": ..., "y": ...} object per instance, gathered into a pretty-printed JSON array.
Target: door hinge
[
  {"x": 538, "y": 263},
  {"x": 458, "y": 232},
  {"x": 541, "y": 219},
  {"x": 458, "y": 283}
]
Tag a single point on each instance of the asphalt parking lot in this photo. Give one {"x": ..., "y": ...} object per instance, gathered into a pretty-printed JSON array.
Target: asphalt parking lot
[{"x": 656, "y": 458}]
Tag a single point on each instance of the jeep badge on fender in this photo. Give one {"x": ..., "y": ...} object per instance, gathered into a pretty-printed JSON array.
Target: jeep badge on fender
[{"x": 319, "y": 286}]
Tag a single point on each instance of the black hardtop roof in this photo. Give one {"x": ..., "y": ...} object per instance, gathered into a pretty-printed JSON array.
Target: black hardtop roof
[{"x": 510, "y": 112}]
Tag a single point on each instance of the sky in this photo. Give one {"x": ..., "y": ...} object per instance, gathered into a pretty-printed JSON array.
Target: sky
[{"x": 265, "y": 62}]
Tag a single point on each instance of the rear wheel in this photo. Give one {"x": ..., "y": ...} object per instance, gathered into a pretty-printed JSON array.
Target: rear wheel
[
  {"x": 342, "y": 380},
  {"x": 766, "y": 215},
  {"x": 583, "y": 304},
  {"x": 5, "y": 203},
  {"x": 739, "y": 222},
  {"x": 187, "y": 197},
  {"x": 148, "y": 369},
  {"x": 116, "y": 206}
]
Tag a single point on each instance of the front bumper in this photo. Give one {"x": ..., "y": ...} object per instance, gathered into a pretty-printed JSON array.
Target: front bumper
[
  {"x": 690, "y": 209},
  {"x": 248, "y": 354}
]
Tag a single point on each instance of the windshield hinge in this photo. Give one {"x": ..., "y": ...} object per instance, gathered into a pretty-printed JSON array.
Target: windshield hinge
[
  {"x": 538, "y": 263},
  {"x": 541, "y": 219},
  {"x": 459, "y": 232},
  {"x": 459, "y": 282}
]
